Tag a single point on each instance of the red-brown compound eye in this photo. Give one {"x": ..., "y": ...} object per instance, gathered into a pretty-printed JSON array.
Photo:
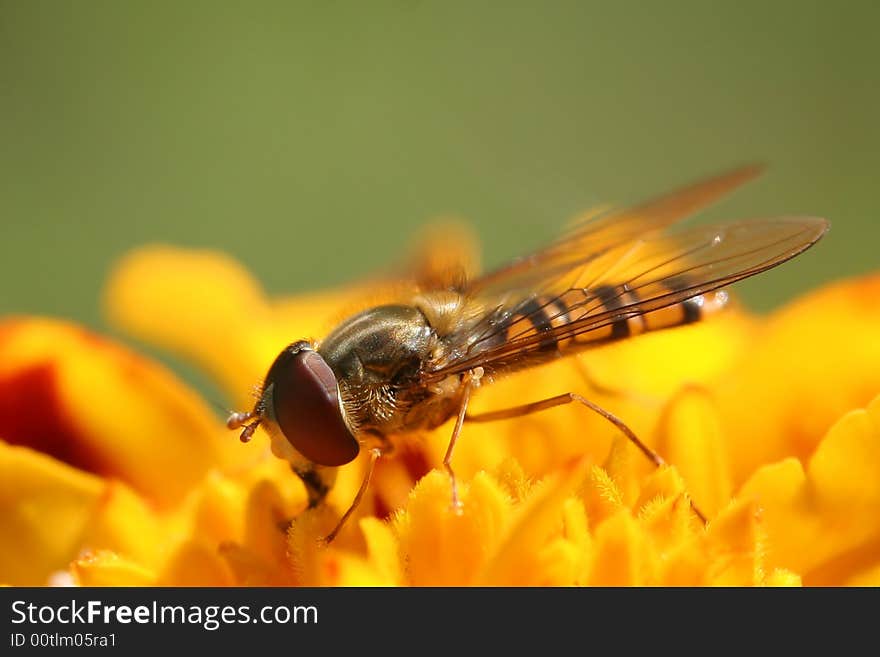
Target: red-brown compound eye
[{"x": 305, "y": 404}]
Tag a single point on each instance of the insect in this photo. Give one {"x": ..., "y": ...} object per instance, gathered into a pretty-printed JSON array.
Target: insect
[{"x": 401, "y": 368}]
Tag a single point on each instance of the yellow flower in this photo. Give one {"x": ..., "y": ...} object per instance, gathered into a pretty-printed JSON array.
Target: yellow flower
[{"x": 114, "y": 472}]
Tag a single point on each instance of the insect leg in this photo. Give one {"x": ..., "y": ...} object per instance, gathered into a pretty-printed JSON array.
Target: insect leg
[
  {"x": 471, "y": 379},
  {"x": 567, "y": 398},
  {"x": 561, "y": 400},
  {"x": 375, "y": 453}
]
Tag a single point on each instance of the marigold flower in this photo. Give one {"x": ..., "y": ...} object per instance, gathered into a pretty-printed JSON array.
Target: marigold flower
[{"x": 113, "y": 472}]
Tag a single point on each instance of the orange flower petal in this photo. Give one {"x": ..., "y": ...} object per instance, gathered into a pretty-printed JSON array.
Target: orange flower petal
[
  {"x": 343, "y": 563},
  {"x": 106, "y": 568},
  {"x": 218, "y": 511},
  {"x": 656, "y": 365},
  {"x": 664, "y": 510},
  {"x": 45, "y": 507},
  {"x": 249, "y": 569},
  {"x": 382, "y": 550},
  {"x": 622, "y": 554},
  {"x": 601, "y": 495},
  {"x": 92, "y": 404},
  {"x": 267, "y": 517},
  {"x": 444, "y": 547},
  {"x": 520, "y": 559},
  {"x": 833, "y": 507},
  {"x": 867, "y": 577},
  {"x": 809, "y": 364},
  {"x": 332, "y": 566},
  {"x": 736, "y": 545},
  {"x": 342, "y": 569},
  {"x": 691, "y": 437},
  {"x": 50, "y": 511},
  {"x": 125, "y": 523},
  {"x": 782, "y": 577},
  {"x": 197, "y": 563}
]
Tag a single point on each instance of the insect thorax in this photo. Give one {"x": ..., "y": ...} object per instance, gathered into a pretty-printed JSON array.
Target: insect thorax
[{"x": 377, "y": 357}]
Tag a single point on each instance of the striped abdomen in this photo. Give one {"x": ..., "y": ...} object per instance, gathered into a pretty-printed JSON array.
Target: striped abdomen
[{"x": 581, "y": 318}]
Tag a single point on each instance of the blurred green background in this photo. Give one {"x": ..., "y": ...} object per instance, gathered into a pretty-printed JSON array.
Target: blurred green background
[{"x": 311, "y": 139}]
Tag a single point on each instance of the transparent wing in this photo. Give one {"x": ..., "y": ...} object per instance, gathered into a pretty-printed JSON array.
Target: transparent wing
[
  {"x": 625, "y": 280},
  {"x": 600, "y": 233}
]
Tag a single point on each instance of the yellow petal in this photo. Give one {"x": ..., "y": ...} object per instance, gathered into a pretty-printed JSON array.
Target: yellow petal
[
  {"x": 845, "y": 465},
  {"x": 517, "y": 560},
  {"x": 249, "y": 569},
  {"x": 685, "y": 564},
  {"x": 442, "y": 547},
  {"x": 782, "y": 577},
  {"x": 665, "y": 510},
  {"x": 306, "y": 551},
  {"x": 125, "y": 523},
  {"x": 106, "y": 568},
  {"x": 343, "y": 569},
  {"x": 576, "y": 533},
  {"x": 868, "y": 577},
  {"x": 219, "y": 510},
  {"x": 601, "y": 495},
  {"x": 736, "y": 544},
  {"x": 691, "y": 437},
  {"x": 559, "y": 563},
  {"x": 45, "y": 508},
  {"x": 656, "y": 365},
  {"x": 267, "y": 518},
  {"x": 50, "y": 512},
  {"x": 332, "y": 566},
  {"x": 664, "y": 483},
  {"x": 833, "y": 507},
  {"x": 779, "y": 491},
  {"x": 195, "y": 563},
  {"x": 622, "y": 554},
  {"x": 621, "y": 466},
  {"x": 342, "y": 563},
  {"x": 382, "y": 550},
  {"x": 92, "y": 404},
  {"x": 812, "y": 361},
  {"x": 511, "y": 476}
]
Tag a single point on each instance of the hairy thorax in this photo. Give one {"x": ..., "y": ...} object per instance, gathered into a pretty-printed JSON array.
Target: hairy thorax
[{"x": 378, "y": 357}]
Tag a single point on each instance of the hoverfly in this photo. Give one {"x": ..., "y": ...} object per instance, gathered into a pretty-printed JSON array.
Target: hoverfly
[{"x": 400, "y": 368}]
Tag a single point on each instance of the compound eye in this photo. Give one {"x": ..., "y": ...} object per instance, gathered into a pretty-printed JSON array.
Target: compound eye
[{"x": 306, "y": 407}]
